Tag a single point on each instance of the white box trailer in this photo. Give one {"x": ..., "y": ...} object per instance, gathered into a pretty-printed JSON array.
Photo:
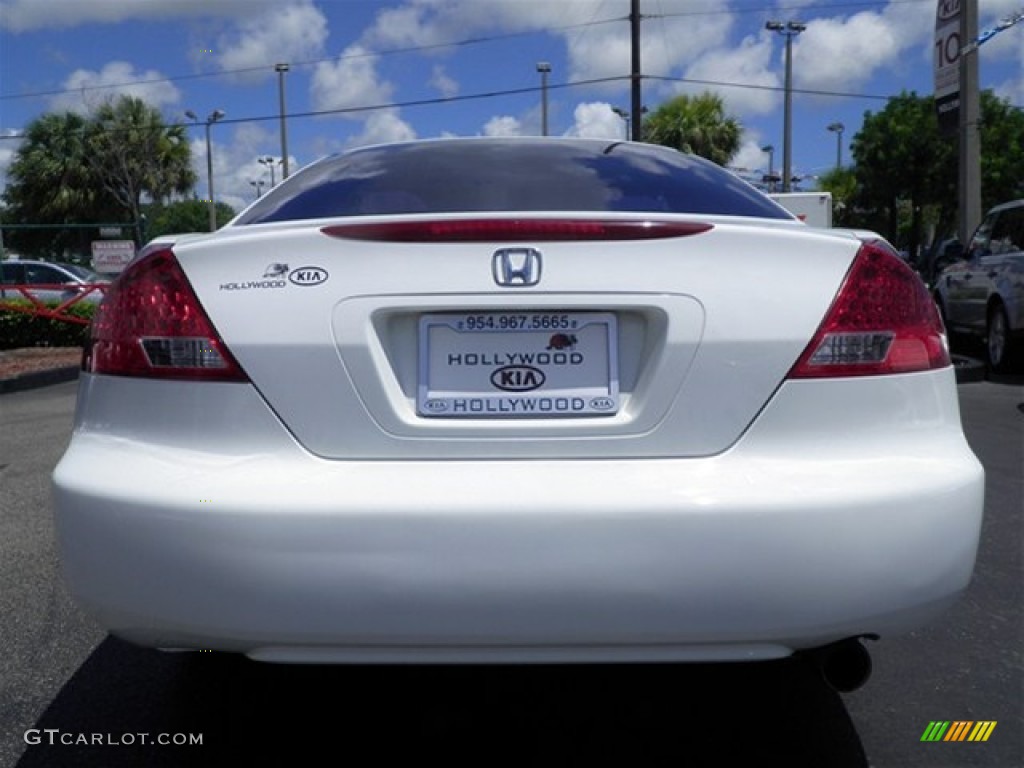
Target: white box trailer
[{"x": 813, "y": 208}]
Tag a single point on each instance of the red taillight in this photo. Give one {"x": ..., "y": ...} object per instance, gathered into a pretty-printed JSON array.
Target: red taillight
[
  {"x": 882, "y": 321},
  {"x": 488, "y": 230},
  {"x": 151, "y": 324}
]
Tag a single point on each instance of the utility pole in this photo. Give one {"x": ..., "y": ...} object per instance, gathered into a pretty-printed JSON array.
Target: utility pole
[
  {"x": 281, "y": 68},
  {"x": 970, "y": 153},
  {"x": 636, "y": 98}
]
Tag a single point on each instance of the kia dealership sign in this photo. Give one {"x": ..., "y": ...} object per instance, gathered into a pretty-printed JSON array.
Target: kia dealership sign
[{"x": 947, "y": 64}]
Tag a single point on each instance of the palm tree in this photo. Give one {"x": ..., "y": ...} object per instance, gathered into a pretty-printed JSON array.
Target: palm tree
[
  {"x": 696, "y": 125},
  {"x": 51, "y": 181},
  {"x": 134, "y": 154},
  {"x": 50, "y": 175}
]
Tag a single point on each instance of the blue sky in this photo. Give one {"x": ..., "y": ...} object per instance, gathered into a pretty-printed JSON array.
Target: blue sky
[{"x": 348, "y": 56}]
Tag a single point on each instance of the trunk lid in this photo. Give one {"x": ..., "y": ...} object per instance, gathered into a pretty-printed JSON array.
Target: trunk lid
[{"x": 331, "y": 332}]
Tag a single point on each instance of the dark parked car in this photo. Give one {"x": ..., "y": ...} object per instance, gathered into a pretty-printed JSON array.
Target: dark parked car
[{"x": 982, "y": 293}]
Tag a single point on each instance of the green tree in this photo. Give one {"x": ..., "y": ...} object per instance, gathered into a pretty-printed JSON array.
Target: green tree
[
  {"x": 51, "y": 181},
  {"x": 901, "y": 163},
  {"x": 842, "y": 183},
  {"x": 907, "y": 172},
  {"x": 696, "y": 125},
  {"x": 184, "y": 216},
  {"x": 75, "y": 169},
  {"x": 134, "y": 153},
  {"x": 1001, "y": 131}
]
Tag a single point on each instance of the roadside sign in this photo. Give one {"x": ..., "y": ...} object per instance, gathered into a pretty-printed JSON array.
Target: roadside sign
[
  {"x": 111, "y": 232},
  {"x": 112, "y": 255},
  {"x": 947, "y": 65}
]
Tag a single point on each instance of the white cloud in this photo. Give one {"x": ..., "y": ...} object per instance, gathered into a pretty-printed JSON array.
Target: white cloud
[
  {"x": 352, "y": 82},
  {"x": 348, "y": 82},
  {"x": 749, "y": 64},
  {"x": 444, "y": 84},
  {"x": 842, "y": 53},
  {"x": 24, "y": 15},
  {"x": 86, "y": 89},
  {"x": 8, "y": 148},
  {"x": 1012, "y": 90},
  {"x": 504, "y": 125},
  {"x": 838, "y": 54},
  {"x": 596, "y": 36},
  {"x": 434, "y": 22},
  {"x": 293, "y": 32},
  {"x": 676, "y": 36},
  {"x": 751, "y": 157},
  {"x": 235, "y": 163},
  {"x": 596, "y": 120},
  {"x": 383, "y": 127}
]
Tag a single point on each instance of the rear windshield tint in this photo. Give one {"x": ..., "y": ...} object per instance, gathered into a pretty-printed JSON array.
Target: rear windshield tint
[{"x": 482, "y": 175}]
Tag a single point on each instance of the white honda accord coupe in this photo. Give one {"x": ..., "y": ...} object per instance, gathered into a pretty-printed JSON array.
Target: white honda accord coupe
[{"x": 517, "y": 400}]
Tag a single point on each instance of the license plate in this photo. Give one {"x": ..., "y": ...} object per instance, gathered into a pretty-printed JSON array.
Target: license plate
[{"x": 518, "y": 365}]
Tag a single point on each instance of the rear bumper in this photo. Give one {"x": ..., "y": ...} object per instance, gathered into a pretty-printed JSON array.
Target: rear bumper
[{"x": 790, "y": 540}]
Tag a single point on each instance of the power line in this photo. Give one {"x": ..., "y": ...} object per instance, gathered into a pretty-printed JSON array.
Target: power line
[
  {"x": 312, "y": 62},
  {"x": 777, "y": 88},
  {"x": 526, "y": 90},
  {"x": 397, "y": 104},
  {"x": 437, "y": 46},
  {"x": 795, "y": 8}
]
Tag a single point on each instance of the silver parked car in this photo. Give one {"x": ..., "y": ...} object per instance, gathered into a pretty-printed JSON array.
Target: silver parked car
[
  {"x": 517, "y": 400},
  {"x": 982, "y": 294},
  {"x": 62, "y": 281}
]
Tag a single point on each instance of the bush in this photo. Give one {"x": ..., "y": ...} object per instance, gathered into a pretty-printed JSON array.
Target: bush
[{"x": 18, "y": 329}]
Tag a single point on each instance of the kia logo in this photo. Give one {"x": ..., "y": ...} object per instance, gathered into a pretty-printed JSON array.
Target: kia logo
[
  {"x": 308, "y": 276},
  {"x": 948, "y": 9},
  {"x": 517, "y": 378}
]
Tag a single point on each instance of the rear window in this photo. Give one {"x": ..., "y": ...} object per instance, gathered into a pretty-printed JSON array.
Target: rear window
[{"x": 487, "y": 175}]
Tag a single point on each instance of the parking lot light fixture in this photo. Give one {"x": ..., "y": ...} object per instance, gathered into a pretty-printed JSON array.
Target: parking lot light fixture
[
  {"x": 837, "y": 129},
  {"x": 213, "y": 117},
  {"x": 770, "y": 178},
  {"x": 281, "y": 68},
  {"x": 545, "y": 69},
  {"x": 269, "y": 162},
  {"x": 789, "y": 29}
]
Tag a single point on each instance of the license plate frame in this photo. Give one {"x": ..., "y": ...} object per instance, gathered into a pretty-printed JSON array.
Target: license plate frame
[{"x": 518, "y": 365}]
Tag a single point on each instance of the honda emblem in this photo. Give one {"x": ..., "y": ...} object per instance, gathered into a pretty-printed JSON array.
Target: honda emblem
[{"x": 516, "y": 267}]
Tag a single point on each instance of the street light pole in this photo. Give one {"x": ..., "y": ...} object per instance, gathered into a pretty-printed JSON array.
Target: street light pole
[
  {"x": 625, "y": 119},
  {"x": 281, "y": 69},
  {"x": 269, "y": 162},
  {"x": 790, "y": 29},
  {"x": 770, "y": 149},
  {"x": 214, "y": 116},
  {"x": 259, "y": 187},
  {"x": 545, "y": 69},
  {"x": 838, "y": 128}
]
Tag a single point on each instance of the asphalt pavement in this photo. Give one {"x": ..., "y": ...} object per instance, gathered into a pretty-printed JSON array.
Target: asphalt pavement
[{"x": 63, "y": 680}]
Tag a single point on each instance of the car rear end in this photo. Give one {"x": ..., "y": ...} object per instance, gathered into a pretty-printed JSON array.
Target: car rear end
[{"x": 497, "y": 435}]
